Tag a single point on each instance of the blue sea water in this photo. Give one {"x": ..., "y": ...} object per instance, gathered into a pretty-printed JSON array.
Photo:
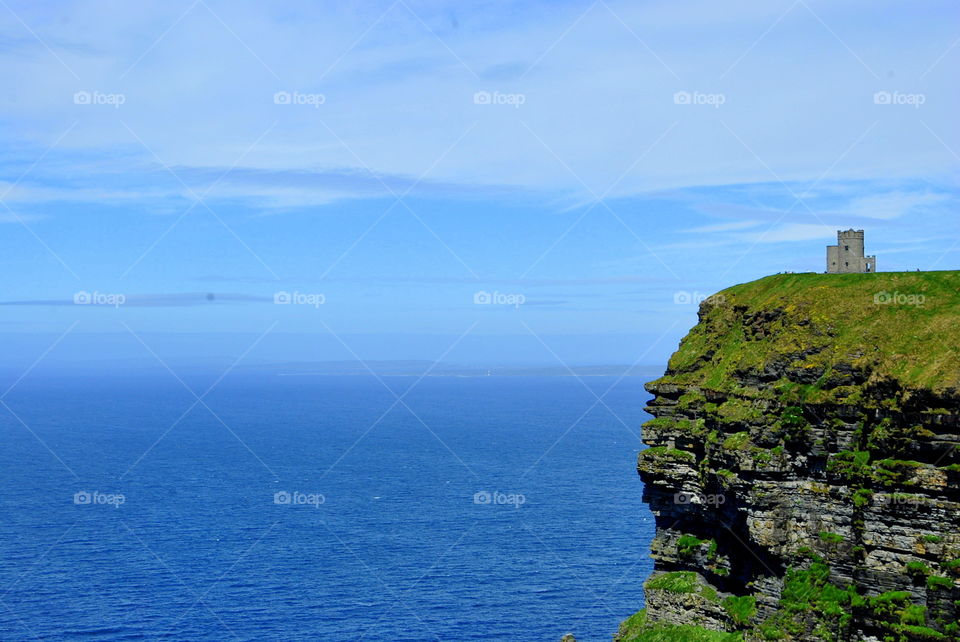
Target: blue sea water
[{"x": 489, "y": 508}]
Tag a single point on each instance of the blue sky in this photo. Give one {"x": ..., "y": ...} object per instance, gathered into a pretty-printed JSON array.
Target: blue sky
[{"x": 598, "y": 161}]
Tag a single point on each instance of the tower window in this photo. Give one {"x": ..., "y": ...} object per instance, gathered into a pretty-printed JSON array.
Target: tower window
[{"x": 846, "y": 248}]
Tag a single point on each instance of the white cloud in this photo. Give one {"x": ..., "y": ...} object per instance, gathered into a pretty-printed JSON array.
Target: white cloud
[
  {"x": 893, "y": 205},
  {"x": 7, "y": 217},
  {"x": 399, "y": 100},
  {"x": 794, "y": 232},
  {"x": 723, "y": 227}
]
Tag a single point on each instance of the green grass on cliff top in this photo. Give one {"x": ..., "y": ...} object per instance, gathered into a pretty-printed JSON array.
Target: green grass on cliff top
[{"x": 902, "y": 325}]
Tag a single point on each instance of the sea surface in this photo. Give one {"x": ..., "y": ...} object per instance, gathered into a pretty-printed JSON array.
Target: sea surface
[{"x": 321, "y": 508}]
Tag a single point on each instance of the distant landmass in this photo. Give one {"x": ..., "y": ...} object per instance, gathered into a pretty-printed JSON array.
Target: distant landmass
[{"x": 417, "y": 368}]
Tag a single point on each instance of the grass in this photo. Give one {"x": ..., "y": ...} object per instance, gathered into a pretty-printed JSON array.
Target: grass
[
  {"x": 737, "y": 441},
  {"x": 808, "y": 591},
  {"x": 636, "y": 629},
  {"x": 662, "y": 452},
  {"x": 889, "y": 604},
  {"x": 737, "y": 411},
  {"x": 676, "y": 582},
  {"x": 862, "y": 497},
  {"x": 667, "y": 633},
  {"x": 935, "y": 583},
  {"x": 687, "y": 545},
  {"x": 921, "y": 633},
  {"x": 917, "y": 569},
  {"x": 914, "y": 615},
  {"x": 741, "y": 609},
  {"x": 856, "y": 468},
  {"x": 895, "y": 613},
  {"x": 917, "y": 345},
  {"x": 682, "y": 582},
  {"x": 677, "y": 424},
  {"x": 853, "y": 465},
  {"x": 831, "y": 538}
]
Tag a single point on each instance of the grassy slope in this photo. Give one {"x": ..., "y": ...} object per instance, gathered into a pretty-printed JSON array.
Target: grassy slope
[{"x": 919, "y": 345}]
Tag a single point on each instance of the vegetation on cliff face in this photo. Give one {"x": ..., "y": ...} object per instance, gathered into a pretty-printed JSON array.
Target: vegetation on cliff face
[
  {"x": 803, "y": 464},
  {"x": 637, "y": 628}
]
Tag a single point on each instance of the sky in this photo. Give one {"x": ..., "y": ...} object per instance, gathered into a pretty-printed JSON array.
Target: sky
[{"x": 208, "y": 183}]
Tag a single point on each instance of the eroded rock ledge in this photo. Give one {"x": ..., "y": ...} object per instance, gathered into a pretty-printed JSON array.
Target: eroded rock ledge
[{"x": 803, "y": 465}]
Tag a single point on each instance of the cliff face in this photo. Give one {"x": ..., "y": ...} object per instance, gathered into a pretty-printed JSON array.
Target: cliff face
[{"x": 803, "y": 464}]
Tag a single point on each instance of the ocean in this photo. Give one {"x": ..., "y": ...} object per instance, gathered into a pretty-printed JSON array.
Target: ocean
[{"x": 321, "y": 508}]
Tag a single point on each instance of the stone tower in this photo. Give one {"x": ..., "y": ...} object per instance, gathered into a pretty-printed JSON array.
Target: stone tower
[{"x": 847, "y": 255}]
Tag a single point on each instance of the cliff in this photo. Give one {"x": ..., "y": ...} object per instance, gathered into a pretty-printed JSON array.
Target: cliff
[{"x": 803, "y": 465}]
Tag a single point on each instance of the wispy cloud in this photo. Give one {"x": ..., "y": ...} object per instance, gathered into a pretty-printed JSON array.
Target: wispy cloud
[
  {"x": 398, "y": 97},
  {"x": 617, "y": 279},
  {"x": 793, "y": 232},
  {"x": 7, "y": 217},
  {"x": 732, "y": 226},
  {"x": 893, "y": 205},
  {"x": 183, "y": 299}
]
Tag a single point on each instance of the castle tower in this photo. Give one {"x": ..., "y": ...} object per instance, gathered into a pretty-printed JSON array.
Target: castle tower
[{"x": 847, "y": 256}]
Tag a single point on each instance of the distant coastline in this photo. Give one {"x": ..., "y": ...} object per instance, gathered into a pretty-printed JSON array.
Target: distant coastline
[{"x": 427, "y": 368}]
